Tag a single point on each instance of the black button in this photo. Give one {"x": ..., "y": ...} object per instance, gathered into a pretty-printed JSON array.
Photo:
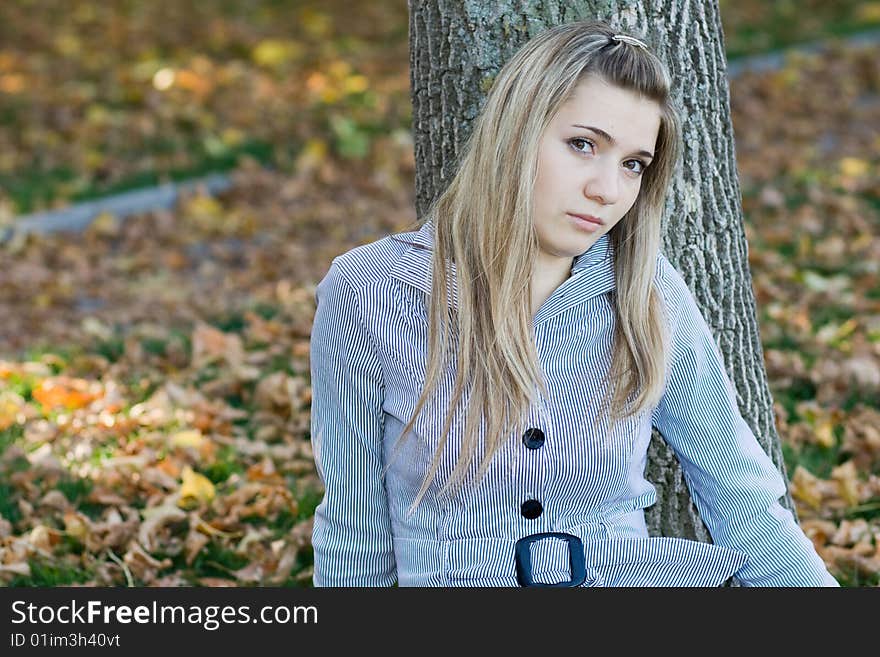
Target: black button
[
  {"x": 531, "y": 509},
  {"x": 533, "y": 438}
]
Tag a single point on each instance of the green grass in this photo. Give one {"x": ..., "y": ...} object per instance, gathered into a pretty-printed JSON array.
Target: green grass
[
  {"x": 9, "y": 436},
  {"x": 266, "y": 310},
  {"x": 799, "y": 390},
  {"x": 22, "y": 385},
  {"x": 112, "y": 348},
  {"x": 154, "y": 346},
  {"x": 216, "y": 561},
  {"x": 868, "y": 510},
  {"x": 818, "y": 460},
  {"x": 75, "y": 489},
  {"x": 44, "y": 573},
  {"x": 230, "y": 322},
  {"x": 9, "y": 504},
  {"x": 784, "y": 342},
  {"x": 38, "y": 188},
  {"x": 225, "y": 466},
  {"x": 788, "y": 23},
  {"x": 861, "y": 397},
  {"x": 851, "y": 577},
  {"x": 307, "y": 503}
]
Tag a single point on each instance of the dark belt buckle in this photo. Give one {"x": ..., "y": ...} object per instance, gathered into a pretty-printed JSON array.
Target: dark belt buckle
[{"x": 577, "y": 561}]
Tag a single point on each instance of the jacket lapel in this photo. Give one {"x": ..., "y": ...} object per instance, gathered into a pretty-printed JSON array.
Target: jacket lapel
[
  {"x": 592, "y": 272},
  {"x": 414, "y": 266}
]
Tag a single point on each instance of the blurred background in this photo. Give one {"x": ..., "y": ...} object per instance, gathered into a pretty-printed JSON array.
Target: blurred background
[{"x": 154, "y": 394}]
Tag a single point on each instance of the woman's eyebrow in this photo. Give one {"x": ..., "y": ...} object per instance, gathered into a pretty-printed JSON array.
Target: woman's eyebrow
[{"x": 604, "y": 135}]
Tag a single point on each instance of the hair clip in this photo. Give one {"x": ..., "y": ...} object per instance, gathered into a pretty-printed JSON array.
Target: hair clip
[{"x": 630, "y": 40}]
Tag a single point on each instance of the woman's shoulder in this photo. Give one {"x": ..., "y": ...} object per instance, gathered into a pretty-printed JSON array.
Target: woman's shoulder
[
  {"x": 666, "y": 275},
  {"x": 676, "y": 294}
]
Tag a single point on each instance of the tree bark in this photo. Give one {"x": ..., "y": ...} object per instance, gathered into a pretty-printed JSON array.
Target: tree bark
[{"x": 456, "y": 49}]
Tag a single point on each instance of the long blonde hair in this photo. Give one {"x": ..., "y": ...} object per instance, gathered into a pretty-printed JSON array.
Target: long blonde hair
[{"x": 483, "y": 223}]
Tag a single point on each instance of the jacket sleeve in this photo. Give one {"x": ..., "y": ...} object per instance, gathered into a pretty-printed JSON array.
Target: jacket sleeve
[
  {"x": 352, "y": 526},
  {"x": 733, "y": 483}
]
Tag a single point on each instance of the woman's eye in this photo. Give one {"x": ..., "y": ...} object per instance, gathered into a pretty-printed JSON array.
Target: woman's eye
[
  {"x": 639, "y": 168},
  {"x": 578, "y": 141}
]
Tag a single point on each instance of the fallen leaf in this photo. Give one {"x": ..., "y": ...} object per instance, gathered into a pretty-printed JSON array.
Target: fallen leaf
[
  {"x": 188, "y": 438},
  {"x": 195, "y": 487},
  {"x": 154, "y": 519}
]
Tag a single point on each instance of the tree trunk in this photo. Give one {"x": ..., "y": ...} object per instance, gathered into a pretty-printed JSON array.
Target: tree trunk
[{"x": 456, "y": 49}]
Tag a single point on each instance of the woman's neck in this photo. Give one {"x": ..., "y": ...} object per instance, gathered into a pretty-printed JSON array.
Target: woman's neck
[{"x": 545, "y": 279}]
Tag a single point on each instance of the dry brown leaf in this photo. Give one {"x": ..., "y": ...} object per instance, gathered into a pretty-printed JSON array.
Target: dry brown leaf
[
  {"x": 849, "y": 486},
  {"x": 819, "y": 531},
  {"x": 56, "y": 500},
  {"x": 216, "y": 582},
  {"x": 144, "y": 566},
  {"x": 806, "y": 488},
  {"x": 274, "y": 393},
  {"x": 19, "y": 568},
  {"x": 195, "y": 541},
  {"x": 154, "y": 520},
  {"x": 250, "y": 574},
  {"x": 210, "y": 345},
  {"x": 76, "y": 525}
]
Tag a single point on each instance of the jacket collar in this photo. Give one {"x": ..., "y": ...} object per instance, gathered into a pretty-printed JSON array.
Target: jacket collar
[{"x": 592, "y": 272}]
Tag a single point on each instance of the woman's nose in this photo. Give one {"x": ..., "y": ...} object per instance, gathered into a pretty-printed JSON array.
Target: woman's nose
[{"x": 602, "y": 185}]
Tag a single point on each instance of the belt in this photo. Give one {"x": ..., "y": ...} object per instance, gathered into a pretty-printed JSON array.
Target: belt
[
  {"x": 576, "y": 560},
  {"x": 608, "y": 560}
]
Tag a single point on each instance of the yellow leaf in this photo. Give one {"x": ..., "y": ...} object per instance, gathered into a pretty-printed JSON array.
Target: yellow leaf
[
  {"x": 188, "y": 438},
  {"x": 825, "y": 434},
  {"x": 106, "y": 224},
  {"x": 232, "y": 136},
  {"x": 853, "y": 166},
  {"x": 339, "y": 68},
  {"x": 847, "y": 480},
  {"x": 274, "y": 52},
  {"x": 195, "y": 487},
  {"x": 356, "y": 84},
  {"x": 11, "y": 404},
  {"x": 805, "y": 487},
  {"x": 313, "y": 154},
  {"x": 330, "y": 95},
  {"x": 868, "y": 12},
  {"x": 68, "y": 44},
  {"x": 203, "y": 205}
]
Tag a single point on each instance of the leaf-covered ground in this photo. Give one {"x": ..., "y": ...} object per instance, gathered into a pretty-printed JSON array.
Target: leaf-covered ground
[
  {"x": 808, "y": 151},
  {"x": 154, "y": 393},
  {"x": 97, "y": 97}
]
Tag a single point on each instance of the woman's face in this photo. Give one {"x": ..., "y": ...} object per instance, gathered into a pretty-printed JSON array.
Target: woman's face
[{"x": 590, "y": 162}]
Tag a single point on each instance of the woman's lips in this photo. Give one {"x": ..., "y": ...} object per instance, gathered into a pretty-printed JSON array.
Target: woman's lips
[{"x": 586, "y": 222}]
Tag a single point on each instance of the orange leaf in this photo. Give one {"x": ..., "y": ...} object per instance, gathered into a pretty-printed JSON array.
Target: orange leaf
[{"x": 64, "y": 391}]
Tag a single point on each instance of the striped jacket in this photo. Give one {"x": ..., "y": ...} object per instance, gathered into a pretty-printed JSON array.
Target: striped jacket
[{"x": 368, "y": 348}]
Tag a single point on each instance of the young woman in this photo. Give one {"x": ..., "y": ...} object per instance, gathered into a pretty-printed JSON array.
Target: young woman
[{"x": 484, "y": 387}]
